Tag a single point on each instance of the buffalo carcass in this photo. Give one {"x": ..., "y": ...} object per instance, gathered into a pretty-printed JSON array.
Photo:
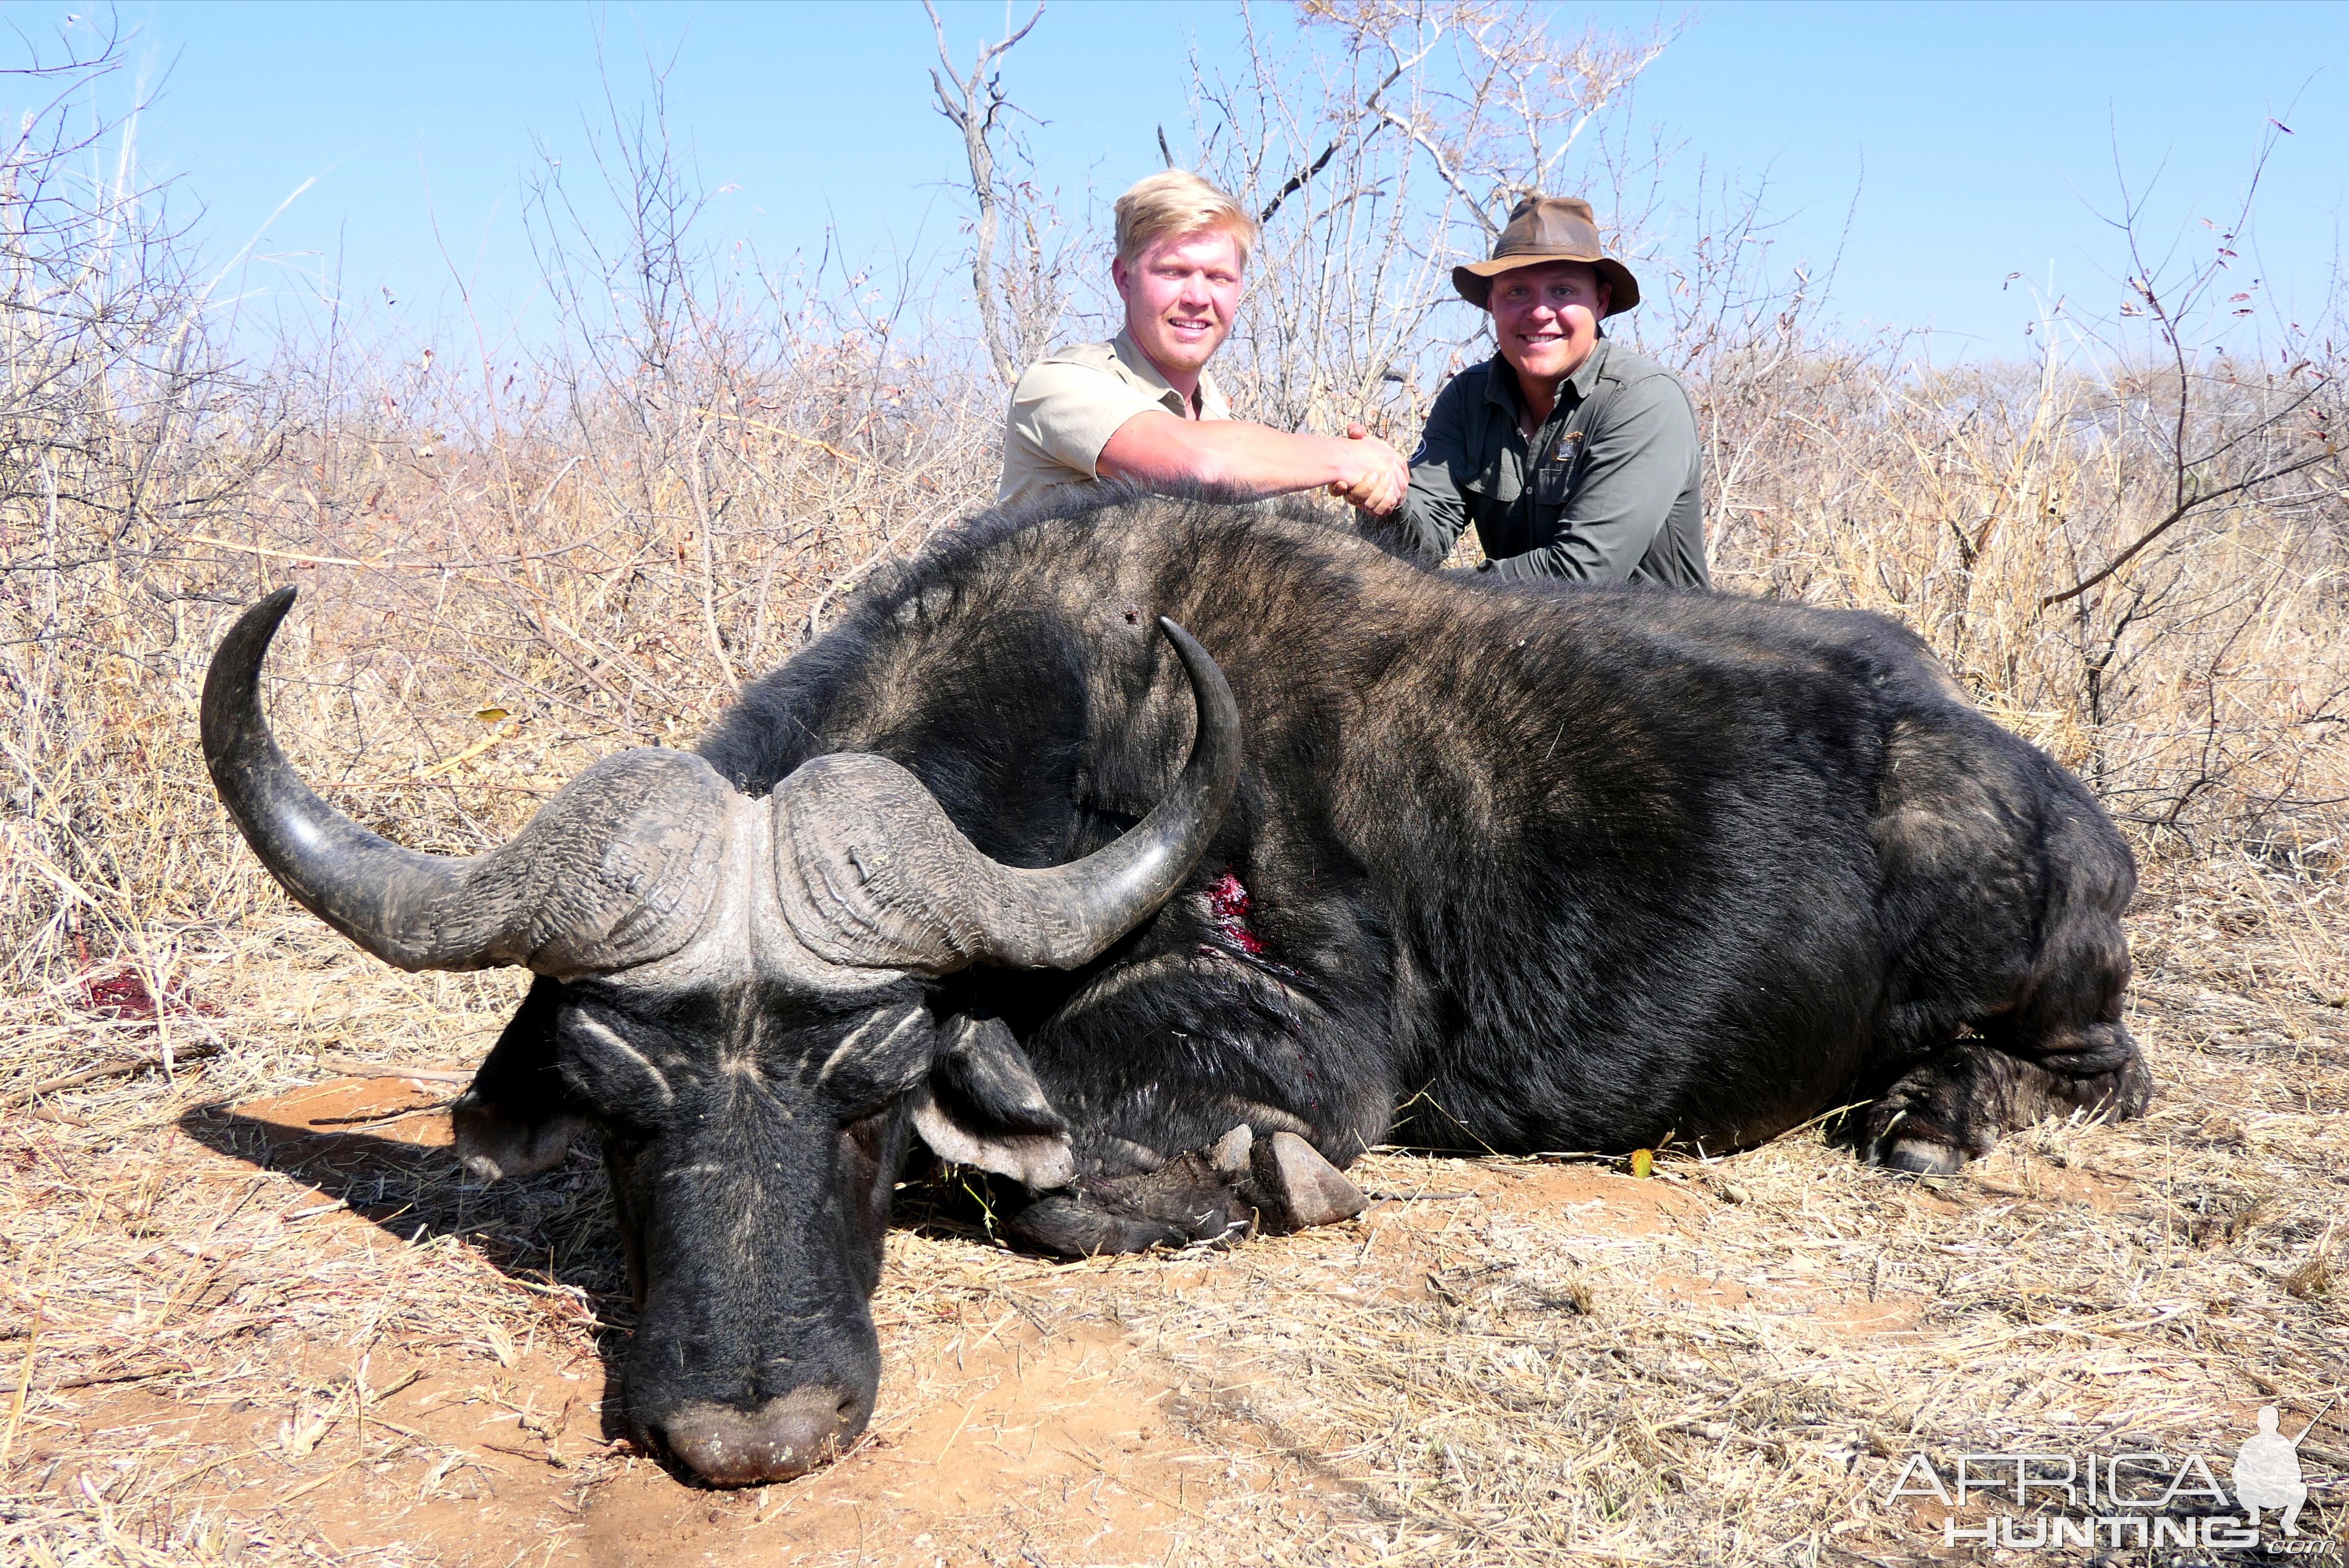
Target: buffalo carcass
[{"x": 1447, "y": 864}]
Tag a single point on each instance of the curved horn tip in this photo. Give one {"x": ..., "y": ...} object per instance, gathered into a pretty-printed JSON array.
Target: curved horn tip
[
  {"x": 333, "y": 867},
  {"x": 1177, "y": 634},
  {"x": 264, "y": 614},
  {"x": 1218, "y": 714},
  {"x": 1199, "y": 662},
  {"x": 248, "y": 637}
]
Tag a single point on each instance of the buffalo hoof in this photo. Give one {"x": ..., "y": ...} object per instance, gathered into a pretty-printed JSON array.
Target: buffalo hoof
[
  {"x": 783, "y": 1439},
  {"x": 1238, "y": 1184},
  {"x": 1229, "y": 1154},
  {"x": 1295, "y": 1187},
  {"x": 1069, "y": 1225},
  {"x": 1921, "y": 1157}
]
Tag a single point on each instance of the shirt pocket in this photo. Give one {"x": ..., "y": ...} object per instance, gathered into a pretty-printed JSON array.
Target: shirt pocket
[
  {"x": 1501, "y": 481},
  {"x": 1482, "y": 481},
  {"x": 1554, "y": 475}
]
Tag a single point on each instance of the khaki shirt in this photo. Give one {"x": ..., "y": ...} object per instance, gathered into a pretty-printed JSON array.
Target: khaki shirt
[{"x": 1071, "y": 402}]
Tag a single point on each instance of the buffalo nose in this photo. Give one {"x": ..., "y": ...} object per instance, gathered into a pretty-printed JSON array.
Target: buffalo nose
[{"x": 786, "y": 1437}]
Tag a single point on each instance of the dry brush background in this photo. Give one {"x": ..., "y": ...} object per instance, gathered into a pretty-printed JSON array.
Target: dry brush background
[{"x": 291, "y": 1333}]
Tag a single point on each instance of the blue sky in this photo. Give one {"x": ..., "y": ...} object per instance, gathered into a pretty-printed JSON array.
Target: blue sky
[{"x": 1979, "y": 141}]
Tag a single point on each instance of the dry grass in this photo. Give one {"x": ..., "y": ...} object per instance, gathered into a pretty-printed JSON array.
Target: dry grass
[
  {"x": 207, "y": 1328},
  {"x": 1530, "y": 1362},
  {"x": 2203, "y": 693}
]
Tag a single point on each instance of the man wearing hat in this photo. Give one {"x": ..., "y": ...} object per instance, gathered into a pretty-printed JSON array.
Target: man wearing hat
[{"x": 1575, "y": 457}]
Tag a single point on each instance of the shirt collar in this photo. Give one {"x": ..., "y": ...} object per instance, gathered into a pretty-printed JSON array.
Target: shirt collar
[
  {"x": 1501, "y": 380},
  {"x": 1586, "y": 375},
  {"x": 1145, "y": 374}
]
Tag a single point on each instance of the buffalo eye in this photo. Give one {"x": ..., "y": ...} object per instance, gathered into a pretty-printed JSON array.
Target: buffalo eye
[
  {"x": 607, "y": 1063},
  {"x": 875, "y": 1058}
]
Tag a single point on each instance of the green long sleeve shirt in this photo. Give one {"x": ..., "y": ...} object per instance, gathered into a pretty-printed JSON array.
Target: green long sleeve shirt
[{"x": 1616, "y": 496}]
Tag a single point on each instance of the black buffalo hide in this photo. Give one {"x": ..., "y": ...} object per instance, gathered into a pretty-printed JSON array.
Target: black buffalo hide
[{"x": 1510, "y": 868}]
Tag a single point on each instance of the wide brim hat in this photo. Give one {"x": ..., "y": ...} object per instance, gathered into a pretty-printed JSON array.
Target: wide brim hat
[{"x": 1549, "y": 229}]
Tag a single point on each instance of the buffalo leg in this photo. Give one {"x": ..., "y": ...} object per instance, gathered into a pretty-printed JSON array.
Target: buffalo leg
[
  {"x": 2058, "y": 1049},
  {"x": 1955, "y": 1105},
  {"x": 1241, "y": 1182},
  {"x": 2022, "y": 958}
]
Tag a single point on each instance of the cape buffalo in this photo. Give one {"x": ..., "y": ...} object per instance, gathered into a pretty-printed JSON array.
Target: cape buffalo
[{"x": 1447, "y": 863}]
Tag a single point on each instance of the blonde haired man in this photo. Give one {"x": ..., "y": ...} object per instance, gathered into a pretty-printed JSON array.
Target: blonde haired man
[{"x": 1141, "y": 406}]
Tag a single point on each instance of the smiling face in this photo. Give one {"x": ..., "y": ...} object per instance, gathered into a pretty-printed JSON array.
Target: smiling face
[
  {"x": 1546, "y": 317},
  {"x": 1180, "y": 295}
]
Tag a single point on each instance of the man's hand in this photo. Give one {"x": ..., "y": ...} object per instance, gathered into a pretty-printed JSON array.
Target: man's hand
[{"x": 1376, "y": 474}]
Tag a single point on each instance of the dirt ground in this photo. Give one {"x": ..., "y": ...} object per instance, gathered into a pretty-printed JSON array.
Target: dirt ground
[{"x": 250, "y": 1313}]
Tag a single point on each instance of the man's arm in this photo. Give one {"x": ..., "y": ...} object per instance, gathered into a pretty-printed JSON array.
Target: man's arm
[
  {"x": 1433, "y": 512},
  {"x": 1162, "y": 451},
  {"x": 1637, "y": 464}
]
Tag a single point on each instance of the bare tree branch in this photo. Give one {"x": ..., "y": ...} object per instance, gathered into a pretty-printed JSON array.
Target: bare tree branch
[
  {"x": 973, "y": 108},
  {"x": 2178, "y": 514}
]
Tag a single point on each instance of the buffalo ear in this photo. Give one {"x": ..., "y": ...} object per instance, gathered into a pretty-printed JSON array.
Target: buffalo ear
[
  {"x": 981, "y": 1106},
  {"x": 517, "y": 1119}
]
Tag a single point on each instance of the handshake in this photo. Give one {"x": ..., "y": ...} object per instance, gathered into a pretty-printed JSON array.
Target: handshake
[
  {"x": 1161, "y": 450},
  {"x": 1371, "y": 474}
]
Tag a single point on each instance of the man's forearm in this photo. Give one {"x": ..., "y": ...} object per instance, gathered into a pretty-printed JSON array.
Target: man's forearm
[
  {"x": 1160, "y": 449},
  {"x": 1579, "y": 558}
]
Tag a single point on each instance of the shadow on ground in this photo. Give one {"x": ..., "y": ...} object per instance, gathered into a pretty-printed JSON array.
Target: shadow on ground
[{"x": 380, "y": 1148}]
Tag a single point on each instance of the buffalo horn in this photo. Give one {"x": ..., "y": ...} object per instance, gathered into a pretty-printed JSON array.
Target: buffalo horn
[
  {"x": 615, "y": 870},
  {"x": 873, "y": 874}
]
